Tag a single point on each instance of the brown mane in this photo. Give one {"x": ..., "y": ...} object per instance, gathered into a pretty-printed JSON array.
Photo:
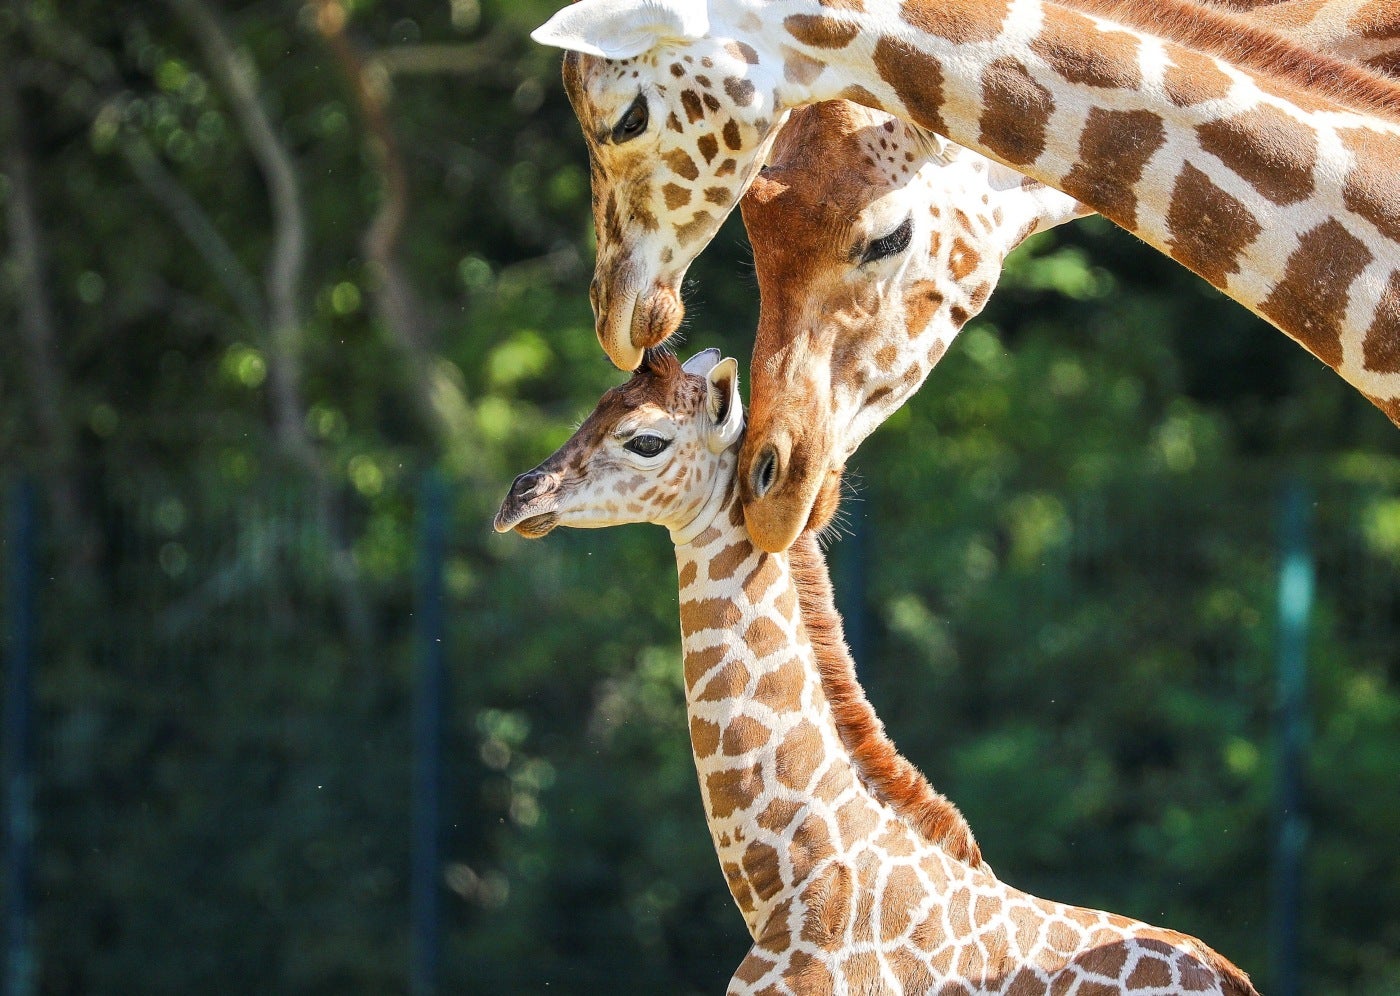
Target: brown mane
[
  {"x": 888, "y": 774},
  {"x": 1223, "y": 34}
]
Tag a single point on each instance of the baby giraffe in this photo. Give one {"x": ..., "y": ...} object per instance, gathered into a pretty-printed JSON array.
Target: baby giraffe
[{"x": 852, "y": 874}]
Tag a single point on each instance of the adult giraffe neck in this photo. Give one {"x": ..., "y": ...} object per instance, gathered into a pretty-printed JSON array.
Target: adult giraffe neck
[{"x": 784, "y": 739}]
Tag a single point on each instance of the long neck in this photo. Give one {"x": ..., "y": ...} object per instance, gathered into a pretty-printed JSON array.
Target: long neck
[
  {"x": 1221, "y": 154},
  {"x": 794, "y": 767}
]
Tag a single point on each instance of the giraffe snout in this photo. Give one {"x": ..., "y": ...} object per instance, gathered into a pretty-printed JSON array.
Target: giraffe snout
[{"x": 529, "y": 505}]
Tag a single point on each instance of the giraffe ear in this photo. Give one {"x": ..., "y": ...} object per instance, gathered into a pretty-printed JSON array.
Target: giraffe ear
[
  {"x": 702, "y": 362},
  {"x": 622, "y": 29},
  {"x": 725, "y": 407}
]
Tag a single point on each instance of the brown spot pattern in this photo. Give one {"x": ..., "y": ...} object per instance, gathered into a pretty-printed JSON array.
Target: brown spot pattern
[
  {"x": 704, "y": 737},
  {"x": 1114, "y": 148},
  {"x": 963, "y": 260},
  {"x": 921, "y": 300},
  {"x": 761, "y": 865},
  {"x": 797, "y": 756},
  {"x": 1015, "y": 112},
  {"x": 727, "y": 561},
  {"x": 1150, "y": 973},
  {"x": 730, "y": 133},
  {"x": 1370, "y": 189},
  {"x": 828, "y": 901},
  {"x": 1078, "y": 51},
  {"x": 916, "y": 78},
  {"x": 754, "y": 967},
  {"x": 699, "y": 226},
  {"x": 1193, "y": 78},
  {"x": 681, "y": 164},
  {"x": 781, "y": 690},
  {"x": 959, "y": 21},
  {"x": 743, "y": 51},
  {"x": 1268, "y": 149},
  {"x": 1310, "y": 301},
  {"x": 694, "y": 110},
  {"x": 765, "y": 637},
  {"x": 903, "y": 894},
  {"x": 820, "y": 32},
  {"x": 733, "y": 790},
  {"x": 744, "y": 735},
  {"x": 700, "y": 663},
  {"x": 731, "y": 681},
  {"x": 676, "y": 197},
  {"x": 1207, "y": 228},
  {"x": 1381, "y": 350},
  {"x": 741, "y": 91}
]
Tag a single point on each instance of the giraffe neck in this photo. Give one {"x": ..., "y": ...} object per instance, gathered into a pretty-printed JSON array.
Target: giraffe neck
[
  {"x": 1228, "y": 160},
  {"x": 792, "y": 760}
]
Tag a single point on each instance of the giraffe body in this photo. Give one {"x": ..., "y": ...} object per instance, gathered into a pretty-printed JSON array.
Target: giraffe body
[
  {"x": 843, "y": 340},
  {"x": 1264, "y": 168},
  {"x": 852, "y": 874}
]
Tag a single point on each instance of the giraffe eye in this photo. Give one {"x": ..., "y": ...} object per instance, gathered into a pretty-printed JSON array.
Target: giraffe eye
[
  {"x": 633, "y": 123},
  {"x": 890, "y": 245},
  {"x": 646, "y": 444}
]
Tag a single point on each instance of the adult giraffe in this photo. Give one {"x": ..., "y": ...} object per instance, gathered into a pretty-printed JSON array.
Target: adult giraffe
[
  {"x": 843, "y": 338},
  {"x": 1260, "y": 166},
  {"x": 853, "y": 875}
]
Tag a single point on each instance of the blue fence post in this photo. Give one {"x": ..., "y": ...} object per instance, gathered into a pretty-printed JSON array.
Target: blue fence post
[
  {"x": 430, "y": 692},
  {"x": 1295, "y": 599},
  {"x": 21, "y": 552}
]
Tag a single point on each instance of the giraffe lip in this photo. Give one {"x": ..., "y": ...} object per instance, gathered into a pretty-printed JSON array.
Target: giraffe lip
[{"x": 537, "y": 526}]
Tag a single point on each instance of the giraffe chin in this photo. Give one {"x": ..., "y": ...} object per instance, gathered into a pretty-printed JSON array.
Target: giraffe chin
[
  {"x": 537, "y": 526},
  {"x": 656, "y": 317}
]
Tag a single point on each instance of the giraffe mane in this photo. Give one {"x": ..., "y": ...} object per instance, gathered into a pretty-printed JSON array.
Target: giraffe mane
[
  {"x": 1221, "y": 33},
  {"x": 889, "y": 775}
]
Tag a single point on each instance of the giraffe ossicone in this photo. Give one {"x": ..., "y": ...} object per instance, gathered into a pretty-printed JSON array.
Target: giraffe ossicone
[
  {"x": 1263, "y": 168},
  {"x": 852, "y": 874}
]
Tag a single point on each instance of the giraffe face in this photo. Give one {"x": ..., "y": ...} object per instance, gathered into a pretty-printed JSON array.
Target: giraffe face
[
  {"x": 652, "y": 451},
  {"x": 676, "y": 123},
  {"x": 874, "y": 243}
]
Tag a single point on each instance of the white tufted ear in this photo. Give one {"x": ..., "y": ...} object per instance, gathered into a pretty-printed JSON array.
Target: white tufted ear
[
  {"x": 725, "y": 407},
  {"x": 702, "y": 362},
  {"x": 621, "y": 29}
]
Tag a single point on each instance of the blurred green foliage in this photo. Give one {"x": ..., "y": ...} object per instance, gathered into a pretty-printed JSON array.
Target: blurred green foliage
[{"x": 1067, "y": 547}]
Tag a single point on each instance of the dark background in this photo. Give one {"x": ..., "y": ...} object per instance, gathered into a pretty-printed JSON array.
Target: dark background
[{"x": 270, "y": 264}]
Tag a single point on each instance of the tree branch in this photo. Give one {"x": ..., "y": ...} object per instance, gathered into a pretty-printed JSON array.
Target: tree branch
[
  {"x": 438, "y": 399},
  {"x": 286, "y": 268}
]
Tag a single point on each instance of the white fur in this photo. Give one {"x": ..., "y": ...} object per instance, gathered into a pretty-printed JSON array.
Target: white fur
[
  {"x": 724, "y": 386},
  {"x": 622, "y": 29}
]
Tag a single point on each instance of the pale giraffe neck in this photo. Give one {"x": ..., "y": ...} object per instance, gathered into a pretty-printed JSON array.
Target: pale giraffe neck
[
  {"x": 786, "y": 745},
  {"x": 1282, "y": 196},
  {"x": 851, "y": 873}
]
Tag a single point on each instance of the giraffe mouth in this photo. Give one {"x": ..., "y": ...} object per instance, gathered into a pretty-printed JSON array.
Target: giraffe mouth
[{"x": 537, "y": 526}]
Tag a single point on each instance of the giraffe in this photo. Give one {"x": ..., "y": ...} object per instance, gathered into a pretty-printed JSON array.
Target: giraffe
[
  {"x": 843, "y": 340},
  {"x": 1355, "y": 30},
  {"x": 852, "y": 874},
  {"x": 1262, "y": 167}
]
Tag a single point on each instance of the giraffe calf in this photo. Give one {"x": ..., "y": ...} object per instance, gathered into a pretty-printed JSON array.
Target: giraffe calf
[{"x": 852, "y": 874}]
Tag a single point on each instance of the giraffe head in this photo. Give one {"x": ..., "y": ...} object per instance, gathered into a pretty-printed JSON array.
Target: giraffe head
[
  {"x": 676, "y": 122},
  {"x": 874, "y": 242},
  {"x": 659, "y": 448}
]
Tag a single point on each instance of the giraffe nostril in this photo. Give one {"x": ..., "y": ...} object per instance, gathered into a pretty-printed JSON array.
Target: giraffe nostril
[
  {"x": 765, "y": 472},
  {"x": 528, "y": 484}
]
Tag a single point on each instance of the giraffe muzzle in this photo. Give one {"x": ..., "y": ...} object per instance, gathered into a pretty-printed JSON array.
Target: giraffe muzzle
[{"x": 530, "y": 507}]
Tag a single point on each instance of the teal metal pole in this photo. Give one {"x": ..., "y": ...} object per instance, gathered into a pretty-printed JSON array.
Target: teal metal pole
[
  {"x": 1297, "y": 580},
  {"x": 431, "y": 682},
  {"x": 21, "y": 554}
]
